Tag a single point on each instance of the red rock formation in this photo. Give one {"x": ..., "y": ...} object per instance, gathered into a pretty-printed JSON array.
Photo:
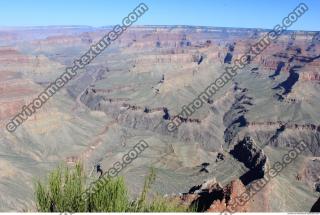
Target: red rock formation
[
  {"x": 310, "y": 76},
  {"x": 10, "y": 108},
  {"x": 232, "y": 191},
  {"x": 12, "y": 56},
  {"x": 212, "y": 197}
]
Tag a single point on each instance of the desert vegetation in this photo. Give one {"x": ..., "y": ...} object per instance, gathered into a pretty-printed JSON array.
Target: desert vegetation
[{"x": 62, "y": 190}]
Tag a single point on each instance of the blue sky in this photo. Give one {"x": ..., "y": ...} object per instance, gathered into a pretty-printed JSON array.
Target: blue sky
[{"x": 221, "y": 13}]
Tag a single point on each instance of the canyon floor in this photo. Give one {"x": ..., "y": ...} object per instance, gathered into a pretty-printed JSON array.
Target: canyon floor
[{"x": 121, "y": 97}]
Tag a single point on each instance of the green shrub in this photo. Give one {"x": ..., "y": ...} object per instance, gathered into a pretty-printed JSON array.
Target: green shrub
[
  {"x": 62, "y": 191},
  {"x": 64, "y": 187}
]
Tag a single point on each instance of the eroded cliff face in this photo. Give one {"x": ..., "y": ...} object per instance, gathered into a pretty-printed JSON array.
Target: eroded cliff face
[
  {"x": 247, "y": 152},
  {"x": 235, "y": 119},
  {"x": 147, "y": 77},
  {"x": 212, "y": 197},
  {"x": 267, "y": 105},
  {"x": 136, "y": 117}
]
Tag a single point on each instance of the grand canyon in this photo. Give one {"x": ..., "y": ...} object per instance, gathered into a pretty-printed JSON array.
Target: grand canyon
[{"x": 141, "y": 81}]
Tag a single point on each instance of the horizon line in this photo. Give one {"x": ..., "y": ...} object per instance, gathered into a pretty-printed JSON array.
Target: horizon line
[{"x": 148, "y": 25}]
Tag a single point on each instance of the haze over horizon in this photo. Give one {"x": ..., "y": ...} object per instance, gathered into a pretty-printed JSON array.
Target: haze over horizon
[{"x": 192, "y": 13}]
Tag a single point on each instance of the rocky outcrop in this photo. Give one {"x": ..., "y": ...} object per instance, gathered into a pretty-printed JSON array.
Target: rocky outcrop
[
  {"x": 288, "y": 84},
  {"x": 229, "y": 55},
  {"x": 280, "y": 65},
  {"x": 247, "y": 152},
  {"x": 212, "y": 197},
  {"x": 310, "y": 76},
  {"x": 234, "y": 119},
  {"x": 316, "y": 206}
]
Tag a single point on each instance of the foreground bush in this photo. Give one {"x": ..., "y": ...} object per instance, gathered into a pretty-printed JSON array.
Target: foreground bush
[{"x": 64, "y": 187}]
